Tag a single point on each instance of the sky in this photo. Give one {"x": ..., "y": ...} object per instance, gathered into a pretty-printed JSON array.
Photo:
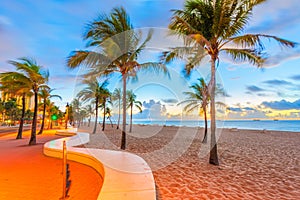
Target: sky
[{"x": 49, "y": 30}]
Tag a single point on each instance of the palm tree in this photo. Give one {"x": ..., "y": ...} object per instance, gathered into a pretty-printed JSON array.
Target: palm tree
[
  {"x": 90, "y": 111},
  {"x": 105, "y": 98},
  {"x": 132, "y": 102},
  {"x": 93, "y": 91},
  {"x": 108, "y": 113},
  {"x": 212, "y": 27},
  {"x": 117, "y": 96},
  {"x": 198, "y": 99},
  {"x": 30, "y": 74},
  {"x": 45, "y": 94},
  {"x": 10, "y": 84},
  {"x": 119, "y": 46},
  {"x": 51, "y": 109}
]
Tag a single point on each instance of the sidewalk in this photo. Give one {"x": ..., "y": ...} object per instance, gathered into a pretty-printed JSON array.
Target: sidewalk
[{"x": 25, "y": 173}]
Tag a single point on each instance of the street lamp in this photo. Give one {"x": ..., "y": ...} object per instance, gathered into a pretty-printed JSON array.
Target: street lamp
[{"x": 67, "y": 115}]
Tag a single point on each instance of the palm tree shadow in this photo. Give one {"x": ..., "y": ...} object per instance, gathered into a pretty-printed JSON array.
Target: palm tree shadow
[{"x": 27, "y": 145}]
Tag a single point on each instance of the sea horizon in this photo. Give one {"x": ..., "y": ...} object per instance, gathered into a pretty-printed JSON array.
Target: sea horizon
[{"x": 265, "y": 124}]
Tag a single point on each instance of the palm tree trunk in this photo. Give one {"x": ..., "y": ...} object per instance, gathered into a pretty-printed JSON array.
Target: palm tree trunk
[
  {"x": 19, "y": 136},
  {"x": 123, "y": 140},
  {"x": 119, "y": 113},
  {"x": 205, "y": 126},
  {"x": 109, "y": 117},
  {"x": 103, "y": 123},
  {"x": 32, "y": 140},
  {"x": 213, "y": 157},
  {"x": 43, "y": 120},
  {"x": 95, "y": 126},
  {"x": 89, "y": 121},
  {"x": 130, "y": 129}
]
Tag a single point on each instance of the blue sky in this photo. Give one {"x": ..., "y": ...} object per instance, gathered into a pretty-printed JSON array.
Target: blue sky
[{"x": 49, "y": 30}]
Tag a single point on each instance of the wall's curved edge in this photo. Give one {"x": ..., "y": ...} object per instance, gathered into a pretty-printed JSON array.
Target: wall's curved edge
[{"x": 132, "y": 179}]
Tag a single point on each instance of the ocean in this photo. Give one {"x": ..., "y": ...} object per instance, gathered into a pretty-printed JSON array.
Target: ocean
[{"x": 280, "y": 125}]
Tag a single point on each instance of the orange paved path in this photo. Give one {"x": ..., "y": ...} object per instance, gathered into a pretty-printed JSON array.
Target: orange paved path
[{"x": 26, "y": 173}]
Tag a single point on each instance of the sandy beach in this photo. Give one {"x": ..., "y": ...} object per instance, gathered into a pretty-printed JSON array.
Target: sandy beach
[{"x": 253, "y": 164}]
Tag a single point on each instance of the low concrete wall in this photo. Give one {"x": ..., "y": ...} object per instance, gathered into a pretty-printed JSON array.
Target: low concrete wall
[{"x": 125, "y": 175}]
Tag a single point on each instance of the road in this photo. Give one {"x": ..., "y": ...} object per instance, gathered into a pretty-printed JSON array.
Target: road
[{"x": 5, "y": 130}]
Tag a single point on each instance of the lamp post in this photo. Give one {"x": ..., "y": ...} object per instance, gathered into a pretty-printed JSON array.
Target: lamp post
[{"x": 67, "y": 115}]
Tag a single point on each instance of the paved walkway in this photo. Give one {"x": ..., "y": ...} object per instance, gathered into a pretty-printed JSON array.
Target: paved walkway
[{"x": 25, "y": 173}]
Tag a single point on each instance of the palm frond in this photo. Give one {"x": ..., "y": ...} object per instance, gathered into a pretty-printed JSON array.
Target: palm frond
[{"x": 249, "y": 55}]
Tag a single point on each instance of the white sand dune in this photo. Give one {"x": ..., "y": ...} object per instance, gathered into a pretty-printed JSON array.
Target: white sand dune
[{"x": 253, "y": 164}]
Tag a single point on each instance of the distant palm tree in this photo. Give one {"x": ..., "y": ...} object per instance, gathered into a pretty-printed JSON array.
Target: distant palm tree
[
  {"x": 75, "y": 105},
  {"x": 30, "y": 74},
  {"x": 117, "y": 96},
  {"x": 212, "y": 27},
  {"x": 45, "y": 94},
  {"x": 120, "y": 47},
  {"x": 93, "y": 91},
  {"x": 51, "y": 109},
  {"x": 90, "y": 111},
  {"x": 198, "y": 99},
  {"x": 108, "y": 113},
  {"x": 132, "y": 102},
  {"x": 105, "y": 98}
]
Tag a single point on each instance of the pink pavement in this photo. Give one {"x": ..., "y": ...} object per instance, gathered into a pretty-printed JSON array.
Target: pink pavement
[{"x": 26, "y": 173}]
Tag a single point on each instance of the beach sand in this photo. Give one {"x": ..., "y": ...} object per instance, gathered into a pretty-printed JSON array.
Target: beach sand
[{"x": 254, "y": 164}]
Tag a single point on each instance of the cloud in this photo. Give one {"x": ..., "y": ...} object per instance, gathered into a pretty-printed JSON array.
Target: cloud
[
  {"x": 295, "y": 77},
  {"x": 282, "y": 15},
  {"x": 277, "y": 82},
  {"x": 235, "y": 109},
  {"x": 152, "y": 110},
  {"x": 282, "y": 105},
  {"x": 281, "y": 56},
  {"x": 253, "y": 88},
  {"x": 171, "y": 101}
]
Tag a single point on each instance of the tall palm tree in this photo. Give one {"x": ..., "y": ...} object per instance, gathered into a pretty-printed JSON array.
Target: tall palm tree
[
  {"x": 132, "y": 102},
  {"x": 45, "y": 94},
  {"x": 212, "y": 27},
  {"x": 119, "y": 46},
  {"x": 93, "y": 91},
  {"x": 198, "y": 99},
  {"x": 30, "y": 74},
  {"x": 117, "y": 96}
]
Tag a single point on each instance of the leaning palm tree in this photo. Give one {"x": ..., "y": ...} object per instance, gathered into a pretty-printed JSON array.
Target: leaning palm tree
[
  {"x": 45, "y": 94},
  {"x": 132, "y": 102},
  {"x": 93, "y": 91},
  {"x": 10, "y": 84},
  {"x": 30, "y": 74},
  {"x": 211, "y": 27},
  {"x": 198, "y": 99},
  {"x": 117, "y": 96},
  {"x": 119, "y": 47}
]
